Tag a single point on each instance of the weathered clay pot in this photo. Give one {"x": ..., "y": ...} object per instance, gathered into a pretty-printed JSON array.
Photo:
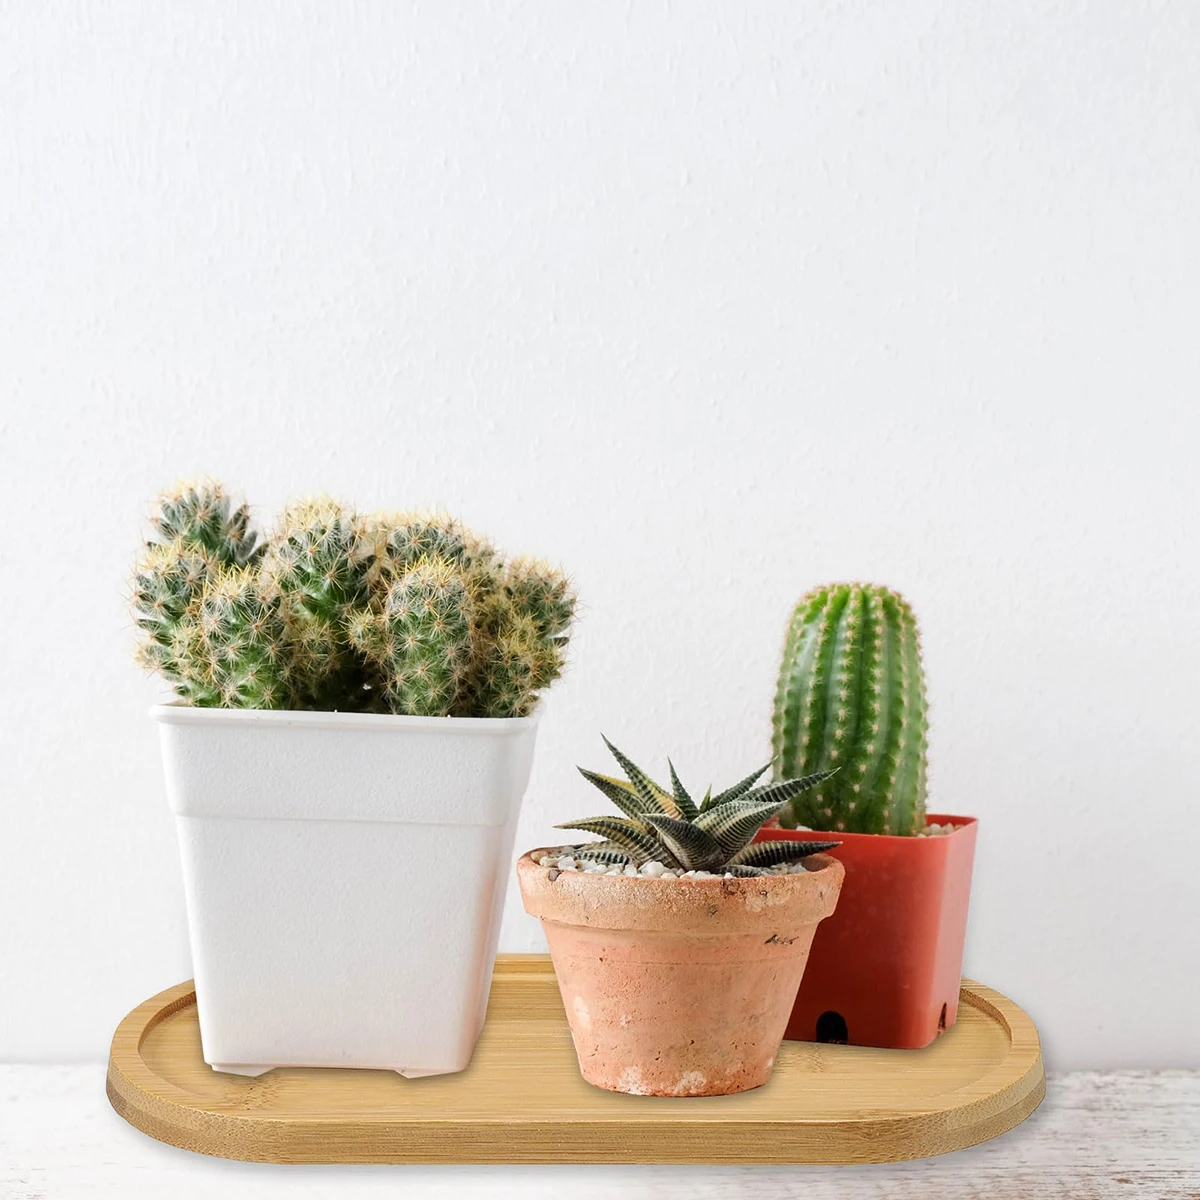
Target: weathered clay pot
[{"x": 678, "y": 987}]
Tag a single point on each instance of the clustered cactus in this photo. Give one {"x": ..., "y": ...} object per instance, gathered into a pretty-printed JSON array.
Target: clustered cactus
[
  {"x": 402, "y": 613},
  {"x": 851, "y": 696},
  {"x": 713, "y": 835}
]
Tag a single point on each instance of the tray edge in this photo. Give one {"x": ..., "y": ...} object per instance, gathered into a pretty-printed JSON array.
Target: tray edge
[{"x": 169, "y": 1114}]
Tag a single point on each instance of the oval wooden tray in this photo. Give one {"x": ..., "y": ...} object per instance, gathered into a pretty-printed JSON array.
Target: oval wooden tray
[{"x": 522, "y": 1099}]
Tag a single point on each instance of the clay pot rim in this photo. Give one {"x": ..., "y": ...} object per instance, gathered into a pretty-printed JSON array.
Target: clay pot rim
[
  {"x": 825, "y": 860},
  {"x": 707, "y": 907}
]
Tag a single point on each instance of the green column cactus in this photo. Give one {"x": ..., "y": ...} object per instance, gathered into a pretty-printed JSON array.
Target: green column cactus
[{"x": 851, "y": 698}]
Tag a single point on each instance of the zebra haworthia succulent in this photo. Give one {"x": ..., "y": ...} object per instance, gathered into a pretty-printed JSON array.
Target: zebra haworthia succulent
[{"x": 715, "y": 834}]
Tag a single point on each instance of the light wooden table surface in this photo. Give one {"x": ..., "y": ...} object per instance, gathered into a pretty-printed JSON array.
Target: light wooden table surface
[{"x": 1125, "y": 1134}]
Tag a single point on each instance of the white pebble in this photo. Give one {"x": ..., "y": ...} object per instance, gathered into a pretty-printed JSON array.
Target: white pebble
[
  {"x": 658, "y": 870},
  {"x": 935, "y": 830}
]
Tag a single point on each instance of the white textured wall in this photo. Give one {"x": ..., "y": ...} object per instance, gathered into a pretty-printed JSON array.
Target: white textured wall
[{"x": 712, "y": 303}]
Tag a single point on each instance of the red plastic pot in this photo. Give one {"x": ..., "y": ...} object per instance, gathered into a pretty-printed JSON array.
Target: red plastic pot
[{"x": 884, "y": 969}]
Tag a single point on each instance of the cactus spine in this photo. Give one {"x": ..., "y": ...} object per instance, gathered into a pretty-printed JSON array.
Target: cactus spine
[
  {"x": 404, "y": 613},
  {"x": 851, "y": 697}
]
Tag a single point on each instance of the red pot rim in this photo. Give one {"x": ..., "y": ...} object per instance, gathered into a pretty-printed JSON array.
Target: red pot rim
[{"x": 832, "y": 835}]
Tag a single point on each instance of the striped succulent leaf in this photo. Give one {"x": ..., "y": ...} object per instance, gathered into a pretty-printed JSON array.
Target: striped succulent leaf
[
  {"x": 654, "y": 797},
  {"x": 669, "y": 827},
  {"x": 687, "y": 807},
  {"x": 630, "y": 835},
  {"x": 602, "y": 852},
  {"x": 718, "y": 812},
  {"x": 603, "y": 847},
  {"x": 692, "y": 847},
  {"x": 771, "y": 854},
  {"x": 618, "y": 791},
  {"x": 740, "y": 788},
  {"x": 787, "y": 790},
  {"x": 734, "y": 825}
]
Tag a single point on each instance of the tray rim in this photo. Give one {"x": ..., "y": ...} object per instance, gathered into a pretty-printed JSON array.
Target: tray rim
[{"x": 977, "y": 1111}]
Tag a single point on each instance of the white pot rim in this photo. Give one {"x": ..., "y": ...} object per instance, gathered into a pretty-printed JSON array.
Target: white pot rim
[{"x": 178, "y": 713}]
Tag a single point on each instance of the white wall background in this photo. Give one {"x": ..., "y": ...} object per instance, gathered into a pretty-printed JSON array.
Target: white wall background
[{"x": 711, "y": 303}]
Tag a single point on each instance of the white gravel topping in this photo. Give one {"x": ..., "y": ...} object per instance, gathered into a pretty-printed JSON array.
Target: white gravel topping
[{"x": 560, "y": 860}]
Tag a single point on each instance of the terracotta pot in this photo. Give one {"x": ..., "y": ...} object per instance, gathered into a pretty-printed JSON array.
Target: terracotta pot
[
  {"x": 678, "y": 987},
  {"x": 885, "y": 969}
]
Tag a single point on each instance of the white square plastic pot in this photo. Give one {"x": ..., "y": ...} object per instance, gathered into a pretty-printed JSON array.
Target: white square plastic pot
[{"x": 345, "y": 875}]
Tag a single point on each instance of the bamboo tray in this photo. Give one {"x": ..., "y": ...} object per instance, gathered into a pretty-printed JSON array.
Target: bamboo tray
[{"x": 522, "y": 1100}]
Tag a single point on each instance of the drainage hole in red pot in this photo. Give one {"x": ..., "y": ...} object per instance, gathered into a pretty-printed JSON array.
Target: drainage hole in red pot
[{"x": 831, "y": 1027}]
